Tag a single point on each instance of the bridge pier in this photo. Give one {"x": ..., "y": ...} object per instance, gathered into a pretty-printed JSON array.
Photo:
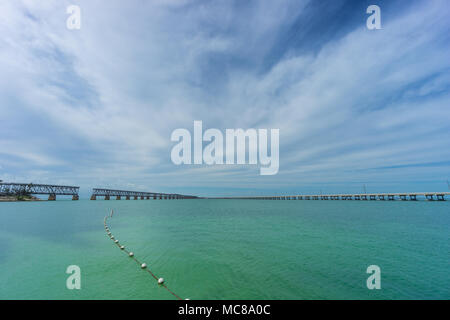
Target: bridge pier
[
  {"x": 391, "y": 197},
  {"x": 75, "y": 197},
  {"x": 93, "y": 197},
  {"x": 135, "y": 197},
  {"x": 52, "y": 197},
  {"x": 127, "y": 197},
  {"x": 381, "y": 197},
  {"x": 107, "y": 197},
  {"x": 373, "y": 197},
  {"x": 148, "y": 197},
  {"x": 142, "y": 198},
  {"x": 429, "y": 197},
  {"x": 403, "y": 197},
  {"x": 364, "y": 197},
  {"x": 440, "y": 197},
  {"x": 118, "y": 197},
  {"x": 412, "y": 197}
]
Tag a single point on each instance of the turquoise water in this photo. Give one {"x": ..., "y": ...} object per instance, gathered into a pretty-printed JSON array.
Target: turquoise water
[{"x": 226, "y": 249}]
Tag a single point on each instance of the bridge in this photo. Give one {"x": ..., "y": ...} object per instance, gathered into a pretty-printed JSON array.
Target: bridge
[
  {"x": 108, "y": 193},
  {"x": 21, "y": 189},
  {"x": 440, "y": 196}
]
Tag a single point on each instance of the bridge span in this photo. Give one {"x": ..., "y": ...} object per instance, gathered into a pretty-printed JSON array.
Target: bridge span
[
  {"x": 22, "y": 189},
  {"x": 412, "y": 196},
  {"x": 108, "y": 193}
]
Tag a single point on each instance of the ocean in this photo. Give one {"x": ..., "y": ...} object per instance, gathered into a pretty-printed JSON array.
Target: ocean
[{"x": 226, "y": 249}]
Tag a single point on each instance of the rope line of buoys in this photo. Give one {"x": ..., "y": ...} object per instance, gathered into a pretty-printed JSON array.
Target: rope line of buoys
[{"x": 143, "y": 265}]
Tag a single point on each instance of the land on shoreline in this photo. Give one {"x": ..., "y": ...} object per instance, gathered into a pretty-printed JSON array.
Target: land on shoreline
[{"x": 15, "y": 198}]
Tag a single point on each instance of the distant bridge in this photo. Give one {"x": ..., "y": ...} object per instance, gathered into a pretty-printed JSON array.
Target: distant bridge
[
  {"x": 440, "y": 196},
  {"x": 108, "y": 193},
  {"x": 18, "y": 189}
]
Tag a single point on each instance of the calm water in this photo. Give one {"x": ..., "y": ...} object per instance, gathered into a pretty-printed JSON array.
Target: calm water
[{"x": 226, "y": 249}]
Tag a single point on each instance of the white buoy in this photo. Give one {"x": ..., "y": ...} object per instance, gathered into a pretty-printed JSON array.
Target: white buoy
[
  {"x": 116, "y": 241},
  {"x": 161, "y": 280},
  {"x": 143, "y": 266},
  {"x": 187, "y": 299},
  {"x": 109, "y": 233},
  {"x": 122, "y": 247},
  {"x": 112, "y": 237},
  {"x": 131, "y": 254}
]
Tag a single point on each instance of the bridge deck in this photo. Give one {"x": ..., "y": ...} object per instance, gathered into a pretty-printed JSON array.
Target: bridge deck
[
  {"x": 107, "y": 193},
  {"x": 357, "y": 196}
]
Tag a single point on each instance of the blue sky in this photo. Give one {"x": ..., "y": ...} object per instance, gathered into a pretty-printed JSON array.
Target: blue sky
[{"x": 95, "y": 107}]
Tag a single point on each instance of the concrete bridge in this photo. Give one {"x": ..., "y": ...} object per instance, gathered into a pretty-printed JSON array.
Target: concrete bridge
[
  {"x": 108, "y": 193},
  {"x": 22, "y": 189},
  {"x": 440, "y": 196}
]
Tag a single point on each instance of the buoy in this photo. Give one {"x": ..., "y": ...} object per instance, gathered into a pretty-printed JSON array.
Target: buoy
[
  {"x": 143, "y": 266},
  {"x": 187, "y": 299},
  {"x": 131, "y": 254},
  {"x": 160, "y": 280},
  {"x": 112, "y": 237},
  {"x": 116, "y": 241},
  {"x": 109, "y": 233},
  {"x": 122, "y": 247}
]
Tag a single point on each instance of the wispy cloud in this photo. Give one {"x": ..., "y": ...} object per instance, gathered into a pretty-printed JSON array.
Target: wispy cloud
[{"x": 96, "y": 106}]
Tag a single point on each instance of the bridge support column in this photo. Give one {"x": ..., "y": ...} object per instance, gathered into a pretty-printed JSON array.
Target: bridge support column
[
  {"x": 148, "y": 197},
  {"x": 363, "y": 197},
  {"x": 93, "y": 197},
  {"x": 75, "y": 197},
  {"x": 412, "y": 197},
  {"x": 118, "y": 197},
  {"x": 107, "y": 197},
  {"x": 51, "y": 197},
  {"x": 381, "y": 197},
  {"x": 429, "y": 197},
  {"x": 391, "y": 197},
  {"x": 372, "y": 197},
  {"x": 142, "y": 197},
  {"x": 403, "y": 197},
  {"x": 135, "y": 197},
  {"x": 440, "y": 197}
]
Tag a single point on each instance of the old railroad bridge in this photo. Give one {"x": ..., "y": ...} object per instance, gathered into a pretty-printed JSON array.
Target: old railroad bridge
[
  {"x": 108, "y": 193},
  {"x": 14, "y": 189}
]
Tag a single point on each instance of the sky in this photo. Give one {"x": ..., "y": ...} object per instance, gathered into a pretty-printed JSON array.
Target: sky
[{"x": 96, "y": 106}]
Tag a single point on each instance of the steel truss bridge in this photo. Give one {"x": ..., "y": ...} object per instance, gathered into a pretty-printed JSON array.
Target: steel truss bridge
[
  {"x": 108, "y": 193},
  {"x": 20, "y": 189}
]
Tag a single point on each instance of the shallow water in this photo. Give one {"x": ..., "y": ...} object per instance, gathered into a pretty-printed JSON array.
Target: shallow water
[{"x": 226, "y": 249}]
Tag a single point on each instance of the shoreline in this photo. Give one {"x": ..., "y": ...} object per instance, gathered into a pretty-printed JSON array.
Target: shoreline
[{"x": 18, "y": 198}]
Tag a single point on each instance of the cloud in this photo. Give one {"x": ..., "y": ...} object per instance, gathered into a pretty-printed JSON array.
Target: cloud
[{"x": 97, "y": 106}]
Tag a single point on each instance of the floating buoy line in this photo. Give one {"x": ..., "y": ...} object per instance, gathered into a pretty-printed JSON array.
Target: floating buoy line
[{"x": 130, "y": 254}]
